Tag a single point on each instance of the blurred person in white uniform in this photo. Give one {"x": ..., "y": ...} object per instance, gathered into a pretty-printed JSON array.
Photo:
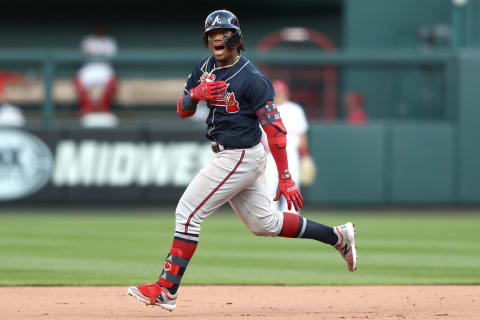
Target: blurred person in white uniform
[
  {"x": 11, "y": 116},
  {"x": 96, "y": 82},
  {"x": 301, "y": 165}
]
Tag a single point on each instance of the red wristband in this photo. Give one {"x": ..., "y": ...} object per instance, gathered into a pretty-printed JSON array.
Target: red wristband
[{"x": 182, "y": 112}]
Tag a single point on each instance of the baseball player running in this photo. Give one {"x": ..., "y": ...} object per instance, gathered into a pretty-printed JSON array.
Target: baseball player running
[{"x": 239, "y": 97}]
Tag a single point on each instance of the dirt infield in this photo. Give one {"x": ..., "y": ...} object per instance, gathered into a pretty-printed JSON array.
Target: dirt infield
[{"x": 247, "y": 302}]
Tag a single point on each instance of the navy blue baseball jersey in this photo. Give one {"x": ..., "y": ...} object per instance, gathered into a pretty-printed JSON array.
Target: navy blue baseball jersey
[{"x": 232, "y": 120}]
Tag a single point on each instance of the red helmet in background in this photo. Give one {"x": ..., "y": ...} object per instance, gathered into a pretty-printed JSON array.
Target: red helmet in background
[{"x": 280, "y": 86}]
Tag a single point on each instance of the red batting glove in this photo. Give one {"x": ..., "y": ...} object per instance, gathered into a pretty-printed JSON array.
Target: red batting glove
[
  {"x": 208, "y": 90},
  {"x": 287, "y": 187}
]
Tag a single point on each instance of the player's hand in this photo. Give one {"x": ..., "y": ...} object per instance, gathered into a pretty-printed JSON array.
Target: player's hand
[
  {"x": 308, "y": 171},
  {"x": 287, "y": 187},
  {"x": 208, "y": 90}
]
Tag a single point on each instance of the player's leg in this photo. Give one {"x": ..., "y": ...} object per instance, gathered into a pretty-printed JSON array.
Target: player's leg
[
  {"x": 226, "y": 175},
  {"x": 86, "y": 104},
  {"x": 255, "y": 210},
  {"x": 271, "y": 181},
  {"x": 108, "y": 94},
  {"x": 253, "y": 207}
]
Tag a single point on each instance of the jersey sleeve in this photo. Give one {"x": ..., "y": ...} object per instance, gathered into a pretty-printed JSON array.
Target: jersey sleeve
[{"x": 259, "y": 91}]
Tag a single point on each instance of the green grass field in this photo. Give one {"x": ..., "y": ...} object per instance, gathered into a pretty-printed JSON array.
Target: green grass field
[{"x": 65, "y": 247}]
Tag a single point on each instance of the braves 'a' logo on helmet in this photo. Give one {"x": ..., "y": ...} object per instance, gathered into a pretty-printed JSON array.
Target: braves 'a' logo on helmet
[{"x": 216, "y": 20}]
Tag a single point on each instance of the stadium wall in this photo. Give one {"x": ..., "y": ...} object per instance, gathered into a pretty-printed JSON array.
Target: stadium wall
[{"x": 379, "y": 163}]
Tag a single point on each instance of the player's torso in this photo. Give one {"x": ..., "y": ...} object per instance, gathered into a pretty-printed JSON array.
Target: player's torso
[
  {"x": 292, "y": 118},
  {"x": 232, "y": 120}
]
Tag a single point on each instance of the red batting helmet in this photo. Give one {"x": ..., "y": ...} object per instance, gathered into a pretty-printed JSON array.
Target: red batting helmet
[{"x": 280, "y": 86}]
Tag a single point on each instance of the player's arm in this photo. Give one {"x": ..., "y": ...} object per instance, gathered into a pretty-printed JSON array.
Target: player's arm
[
  {"x": 187, "y": 103},
  {"x": 272, "y": 124},
  {"x": 186, "y": 107}
]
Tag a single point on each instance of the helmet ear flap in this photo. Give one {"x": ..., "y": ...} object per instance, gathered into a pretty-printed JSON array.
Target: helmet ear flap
[
  {"x": 234, "y": 40},
  {"x": 231, "y": 42}
]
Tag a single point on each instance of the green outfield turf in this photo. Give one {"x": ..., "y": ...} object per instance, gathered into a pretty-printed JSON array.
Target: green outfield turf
[{"x": 128, "y": 247}]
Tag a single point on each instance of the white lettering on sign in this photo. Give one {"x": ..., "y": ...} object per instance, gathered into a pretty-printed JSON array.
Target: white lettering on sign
[{"x": 122, "y": 164}]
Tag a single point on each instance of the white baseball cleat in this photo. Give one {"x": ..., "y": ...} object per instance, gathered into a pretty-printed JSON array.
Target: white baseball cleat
[
  {"x": 155, "y": 295},
  {"x": 346, "y": 244}
]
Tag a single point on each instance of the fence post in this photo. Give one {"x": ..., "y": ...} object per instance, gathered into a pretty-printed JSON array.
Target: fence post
[
  {"x": 458, "y": 23},
  {"x": 48, "y": 79}
]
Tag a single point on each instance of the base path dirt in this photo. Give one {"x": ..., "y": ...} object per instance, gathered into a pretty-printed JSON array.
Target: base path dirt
[{"x": 247, "y": 302}]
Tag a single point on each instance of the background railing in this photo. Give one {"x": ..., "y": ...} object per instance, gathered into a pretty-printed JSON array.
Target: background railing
[{"x": 51, "y": 65}]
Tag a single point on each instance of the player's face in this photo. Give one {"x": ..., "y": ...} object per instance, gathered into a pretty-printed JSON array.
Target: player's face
[
  {"x": 280, "y": 97},
  {"x": 216, "y": 42}
]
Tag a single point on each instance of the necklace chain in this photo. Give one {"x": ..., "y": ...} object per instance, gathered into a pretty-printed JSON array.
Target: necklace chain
[{"x": 227, "y": 66}]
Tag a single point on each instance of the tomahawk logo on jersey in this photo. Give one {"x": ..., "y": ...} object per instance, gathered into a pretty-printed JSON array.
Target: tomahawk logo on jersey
[
  {"x": 232, "y": 120},
  {"x": 228, "y": 101}
]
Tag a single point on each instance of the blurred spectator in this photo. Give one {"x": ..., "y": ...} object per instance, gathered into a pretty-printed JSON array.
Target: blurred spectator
[
  {"x": 301, "y": 165},
  {"x": 355, "y": 105},
  {"x": 96, "y": 82},
  {"x": 10, "y": 115}
]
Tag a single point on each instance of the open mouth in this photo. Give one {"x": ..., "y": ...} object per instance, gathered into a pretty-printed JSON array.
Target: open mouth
[{"x": 219, "y": 49}]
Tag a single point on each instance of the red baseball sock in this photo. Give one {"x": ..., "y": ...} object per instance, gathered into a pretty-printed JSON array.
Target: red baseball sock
[
  {"x": 296, "y": 226},
  {"x": 182, "y": 250},
  {"x": 292, "y": 224}
]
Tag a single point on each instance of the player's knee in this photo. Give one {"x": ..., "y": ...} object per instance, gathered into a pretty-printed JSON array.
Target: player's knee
[
  {"x": 267, "y": 227},
  {"x": 184, "y": 222},
  {"x": 263, "y": 233}
]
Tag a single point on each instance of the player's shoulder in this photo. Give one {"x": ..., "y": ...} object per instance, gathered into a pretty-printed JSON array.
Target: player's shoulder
[
  {"x": 253, "y": 74},
  {"x": 251, "y": 69},
  {"x": 294, "y": 105}
]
